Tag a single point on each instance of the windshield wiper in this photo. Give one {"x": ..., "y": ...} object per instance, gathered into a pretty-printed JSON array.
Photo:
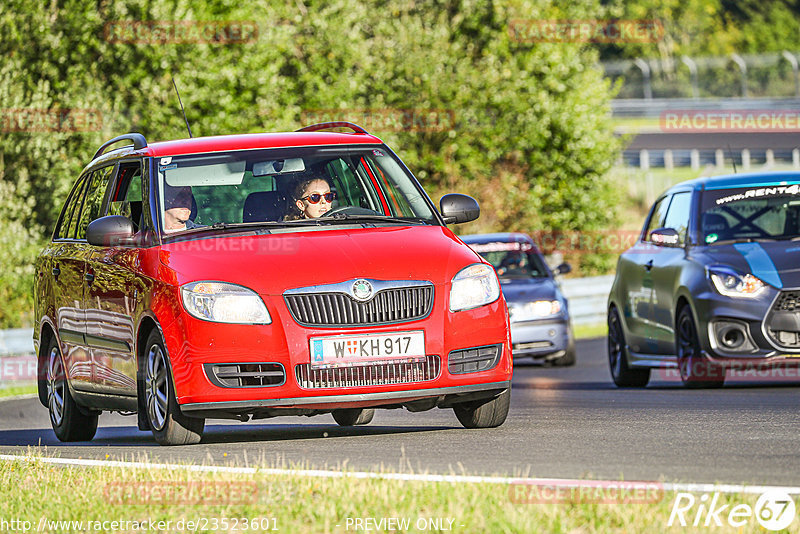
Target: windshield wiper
[
  {"x": 374, "y": 218},
  {"x": 742, "y": 240},
  {"x": 247, "y": 225}
]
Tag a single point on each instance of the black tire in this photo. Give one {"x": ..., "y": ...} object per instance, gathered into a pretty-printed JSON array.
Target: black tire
[
  {"x": 70, "y": 422},
  {"x": 568, "y": 359},
  {"x": 168, "y": 424},
  {"x": 623, "y": 375},
  {"x": 353, "y": 416},
  {"x": 486, "y": 413},
  {"x": 695, "y": 370}
]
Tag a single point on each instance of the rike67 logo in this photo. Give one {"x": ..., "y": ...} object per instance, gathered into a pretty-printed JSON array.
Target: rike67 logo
[{"x": 774, "y": 510}]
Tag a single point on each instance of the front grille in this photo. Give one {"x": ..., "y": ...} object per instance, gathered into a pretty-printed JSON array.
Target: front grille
[
  {"x": 245, "y": 375},
  {"x": 783, "y": 320},
  {"x": 532, "y": 345},
  {"x": 368, "y": 375},
  {"x": 473, "y": 360},
  {"x": 388, "y": 306},
  {"x": 787, "y": 301}
]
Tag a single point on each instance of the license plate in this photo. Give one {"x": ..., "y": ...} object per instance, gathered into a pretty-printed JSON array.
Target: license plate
[{"x": 343, "y": 351}]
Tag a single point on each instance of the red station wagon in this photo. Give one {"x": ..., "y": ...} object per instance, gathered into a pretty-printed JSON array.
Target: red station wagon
[{"x": 252, "y": 276}]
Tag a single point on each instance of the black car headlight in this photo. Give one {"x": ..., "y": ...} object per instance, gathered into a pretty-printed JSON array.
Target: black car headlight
[{"x": 732, "y": 284}]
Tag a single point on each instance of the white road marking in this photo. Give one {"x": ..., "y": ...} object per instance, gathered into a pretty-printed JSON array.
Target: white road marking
[{"x": 563, "y": 482}]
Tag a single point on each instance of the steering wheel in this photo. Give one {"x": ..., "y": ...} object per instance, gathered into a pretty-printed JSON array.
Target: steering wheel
[{"x": 351, "y": 210}]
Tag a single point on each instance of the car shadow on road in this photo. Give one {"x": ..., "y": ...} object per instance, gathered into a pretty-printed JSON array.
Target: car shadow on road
[
  {"x": 546, "y": 383},
  {"x": 129, "y": 436},
  {"x": 288, "y": 432}
]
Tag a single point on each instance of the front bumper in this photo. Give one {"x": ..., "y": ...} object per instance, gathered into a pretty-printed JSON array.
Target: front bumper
[
  {"x": 413, "y": 400},
  {"x": 195, "y": 346},
  {"x": 749, "y": 325},
  {"x": 540, "y": 339}
]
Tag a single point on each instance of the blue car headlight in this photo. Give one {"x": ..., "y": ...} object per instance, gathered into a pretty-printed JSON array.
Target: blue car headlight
[{"x": 730, "y": 283}]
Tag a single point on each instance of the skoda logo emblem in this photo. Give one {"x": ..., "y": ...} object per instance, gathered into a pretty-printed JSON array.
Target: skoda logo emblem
[{"x": 362, "y": 290}]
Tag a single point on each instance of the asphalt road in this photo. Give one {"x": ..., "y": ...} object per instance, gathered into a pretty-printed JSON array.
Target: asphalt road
[{"x": 564, "y": 422}]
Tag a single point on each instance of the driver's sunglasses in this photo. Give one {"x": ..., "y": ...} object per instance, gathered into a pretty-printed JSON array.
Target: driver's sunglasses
[{"x": 313, "y": 198}]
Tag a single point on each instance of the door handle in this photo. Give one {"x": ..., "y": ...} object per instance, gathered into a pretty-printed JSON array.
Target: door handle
[
  {"x": 56, "y": 271},
  {"x": 648, "y": 266},
  {"x": 89, "y": 277}
]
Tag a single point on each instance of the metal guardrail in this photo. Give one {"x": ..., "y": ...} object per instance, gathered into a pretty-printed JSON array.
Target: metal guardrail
[
  {"x": 17, "y": 361},
  {"x": 16, "y": 341},
  {"x": 588, "y": 298},
  {"x": 638, "y": 107}
]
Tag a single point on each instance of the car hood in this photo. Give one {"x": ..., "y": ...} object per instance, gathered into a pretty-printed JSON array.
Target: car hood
[
  {"x": 775, "y": 262},
  {"x": 273, "y": 263},
  {"x": 528, "y": 289}
]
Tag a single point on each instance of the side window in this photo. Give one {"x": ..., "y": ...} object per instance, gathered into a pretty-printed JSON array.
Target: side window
[
  {"x": 95, "y": 193},
  {"x": 71, "y": 207},
  {"x": 657, "y": 216},
  {"x": 127, "y": 197},
  {"x": 678, "y": 214}
]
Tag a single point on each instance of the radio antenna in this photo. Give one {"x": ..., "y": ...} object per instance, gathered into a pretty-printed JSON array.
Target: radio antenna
[
  {"x": 181, "y": 103},
  {"x": 730, "y": 155}
]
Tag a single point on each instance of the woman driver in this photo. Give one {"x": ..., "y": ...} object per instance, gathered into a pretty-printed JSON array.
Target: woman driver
[{"x": 313, "y": 197}]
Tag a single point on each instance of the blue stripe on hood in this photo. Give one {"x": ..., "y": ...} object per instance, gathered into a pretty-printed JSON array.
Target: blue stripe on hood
[{"x": 760, "y": 263}]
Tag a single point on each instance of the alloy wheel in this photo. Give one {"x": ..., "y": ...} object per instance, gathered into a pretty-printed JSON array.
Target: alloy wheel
[
  {"x": 55, "y": 387},
  {"x": 156, "y": 387}
]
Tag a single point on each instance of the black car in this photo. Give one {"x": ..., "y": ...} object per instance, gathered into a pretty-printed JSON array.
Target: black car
[
  {"x": 538, "y": 311},
  {"x": 713, "y": 282}
]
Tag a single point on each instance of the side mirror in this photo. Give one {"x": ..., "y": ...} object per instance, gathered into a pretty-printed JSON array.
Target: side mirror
[
  {"x": 110, "y": 231},
  {"x": 564, "y": 268},
  {"x": 665, "y": 237},
  {"x": 457, "y": 208}
]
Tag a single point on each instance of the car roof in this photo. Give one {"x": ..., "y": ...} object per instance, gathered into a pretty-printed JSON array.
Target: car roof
[
  {"x": 728, "y": 181},
  {"x": 222, "y": 143}
]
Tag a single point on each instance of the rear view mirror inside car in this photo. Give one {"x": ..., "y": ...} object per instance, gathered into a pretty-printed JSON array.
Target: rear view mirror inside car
[{"x": 280, "y": 166}]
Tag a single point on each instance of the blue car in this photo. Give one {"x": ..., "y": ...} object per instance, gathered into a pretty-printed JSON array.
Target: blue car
[
  {"x": 712, "y": 284},
  {"x": 540, "y": 325}
]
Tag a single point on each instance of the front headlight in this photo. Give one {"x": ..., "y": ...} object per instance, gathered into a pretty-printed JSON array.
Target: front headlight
[
  {"x": 224, "y": 303},
  {"x": 530, "y": 311},
  {"x": 732, "y": 284},
  {"x": 474, "y": 286}
]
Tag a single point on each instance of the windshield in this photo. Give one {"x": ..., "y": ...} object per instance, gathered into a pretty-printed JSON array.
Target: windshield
[
  {"x": 283, "y": 187},
  {"x": 512, "y": 259},
  {"x": 750, "y": 213}
]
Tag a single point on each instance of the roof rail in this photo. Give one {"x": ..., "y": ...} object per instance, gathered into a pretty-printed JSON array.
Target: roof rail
[
  {"x": 138, "y": 142},
  {"x": 335, "y": 124}
]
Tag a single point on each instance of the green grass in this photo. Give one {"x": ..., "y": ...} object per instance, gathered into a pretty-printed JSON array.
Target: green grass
[
  {"x": 301, "y": 503},
  {"x": 15, "y": 391},
  {"x": 589, "y": 331}
]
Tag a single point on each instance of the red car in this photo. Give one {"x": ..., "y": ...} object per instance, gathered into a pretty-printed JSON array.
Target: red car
[{"x": 252, "y": 276}]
